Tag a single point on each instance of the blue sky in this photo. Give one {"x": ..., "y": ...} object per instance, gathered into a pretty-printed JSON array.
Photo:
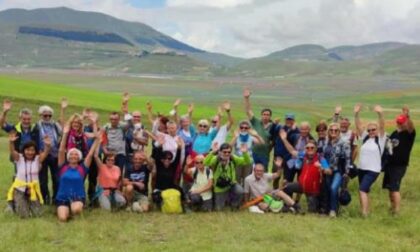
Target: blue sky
[{"x": 148, "y": 3}]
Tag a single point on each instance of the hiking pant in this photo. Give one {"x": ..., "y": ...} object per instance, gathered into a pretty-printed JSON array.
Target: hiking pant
[
  {"x": 50, "y": 163},
  {"x": 24, "y": 207},
  {"x": 92, "y": 178},
  {"x": 198, "y": 203},
  {"x": 233, "y": 196}
]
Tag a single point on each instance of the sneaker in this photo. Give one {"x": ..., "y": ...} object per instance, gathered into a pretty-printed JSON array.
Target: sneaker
[
  {"x": 333, "y": 214},
  {"x": 255, "y": 209},
  {"x": 136, "y": 207}
]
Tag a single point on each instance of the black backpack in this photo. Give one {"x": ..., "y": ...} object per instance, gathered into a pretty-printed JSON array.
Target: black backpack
[{"x": 386, "y": 155}]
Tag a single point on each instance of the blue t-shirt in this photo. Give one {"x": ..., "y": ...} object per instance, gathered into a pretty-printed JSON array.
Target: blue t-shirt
[
  {"x": 26, "y": 135},
  {"x": 202, "y": 143},
  {"x": 71, "y": 183}
]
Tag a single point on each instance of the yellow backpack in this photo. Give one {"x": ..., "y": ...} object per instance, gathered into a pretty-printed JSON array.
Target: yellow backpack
[{"x": 171, "y": 201}]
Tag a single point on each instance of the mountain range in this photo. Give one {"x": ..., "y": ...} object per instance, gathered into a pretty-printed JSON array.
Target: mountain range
[{"x": 64, "y": 38}]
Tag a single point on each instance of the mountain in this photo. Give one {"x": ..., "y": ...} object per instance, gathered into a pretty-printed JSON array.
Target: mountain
[{"x": 66, "y": 38}]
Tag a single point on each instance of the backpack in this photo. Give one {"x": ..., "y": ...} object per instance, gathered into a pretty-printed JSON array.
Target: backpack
[
  {"x": 386, "y": 155},
  {"x": 171, "y": 199},
  {"x": 310, "y": 177}
]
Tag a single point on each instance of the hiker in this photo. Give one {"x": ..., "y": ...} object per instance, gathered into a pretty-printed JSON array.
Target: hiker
[
  {"x": 203, "y": 141},
  {"x": 200, "y": 194},
  {"x": 164, "y": 175},
  {"x": 71, "y": 195},
  {"x": 279, "y": 149},
  {"x": 136, "y": 182},
  {"x": 258, "y": 184},
  {"x": 310, "y": 165},
  {"x": 371, "y": 150},
  {"x": 225, "y": 128},
  {"x": 244, "y": 135},
  {"x": 48, "y": 127},
  {"x": 25, "y": 193},
  {"x": 402, "y": 140},
  {"x": 115, "y": 132},
  {"x": 260, "y": 152},
  {"x": 337, "y": 153},
  {"x": 223, "y": 164}
]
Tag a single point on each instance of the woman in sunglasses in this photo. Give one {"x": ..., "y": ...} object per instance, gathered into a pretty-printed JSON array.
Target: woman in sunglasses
[
  {"x": 248, "y": 137},
  {"x": 311, "y": 166},
  {"x": 202, "y": 142},
  {"x": 337, "y": 152},
  {"x": 370, "y": 153}
]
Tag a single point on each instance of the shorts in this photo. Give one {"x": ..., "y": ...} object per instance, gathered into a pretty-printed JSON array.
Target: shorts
[
  {"x": 67, "y": 203},
  {"x": 392, "y": 177},
  {"x": 366, "y": 179},
  {"x": 141, "y": 198}
]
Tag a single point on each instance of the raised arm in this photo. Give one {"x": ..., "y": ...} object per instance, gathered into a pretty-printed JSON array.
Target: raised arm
[
  {"x": 410, "y": 124},
  {"x": 226, "y": 107},
  {"x": 357, "y": 121},
  {"x": 44, "y": 154},
  {"x": 62, "y": 148},
  {"x": 88, "y": 158},
  {"x": 7, "y": 105},
  {"x": 175, "y": 110},
  {"x": 190, "y": 110},
  {"x": 381, "y": 120},
  {"x": 63, "y": 106},
  {"x": 124, "y": 103},
  {"x": 336, "y": 115},
  {"x": 13, "y": 153},
  {"x": 248, "y": 110},
  {"x": 98, "y": 161},
  {"x": 289, "y": 147},
  {"x": 149, "y": 109}
]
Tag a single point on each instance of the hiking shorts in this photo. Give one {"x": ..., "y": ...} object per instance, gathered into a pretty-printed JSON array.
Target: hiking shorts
[
  {"x": 392, "y": 177},
  {"x": 366, "y": 180}
]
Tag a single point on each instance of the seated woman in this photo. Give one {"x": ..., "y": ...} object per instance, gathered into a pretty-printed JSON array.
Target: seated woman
[
  {"x": 109, "y": 179},
  {"x": 200, "y": 193},
  {"x": 224, "y": 166},
  {"x": 71, "y": 175},
  {"x": 25, "y": 192},
  {"x": 311, "y": 166},
  {"x": 136, "y": 182}
]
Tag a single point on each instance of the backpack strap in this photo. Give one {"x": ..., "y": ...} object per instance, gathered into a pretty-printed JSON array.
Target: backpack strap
[{"x": 196, "y": 173}]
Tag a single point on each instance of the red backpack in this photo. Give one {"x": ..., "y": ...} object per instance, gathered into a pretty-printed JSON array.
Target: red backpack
[{"x": 310, "y": 177}]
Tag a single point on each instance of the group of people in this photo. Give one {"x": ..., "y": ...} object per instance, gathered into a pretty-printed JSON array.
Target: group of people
[{"x": 129, "y": 166}]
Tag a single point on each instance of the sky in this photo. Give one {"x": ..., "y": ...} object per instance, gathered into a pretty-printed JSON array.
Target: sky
[{"x": 254, "y": 28}]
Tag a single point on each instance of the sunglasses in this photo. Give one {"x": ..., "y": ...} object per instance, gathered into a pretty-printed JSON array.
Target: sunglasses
[
  {"x": 310, "y": 147},
  {"x": 110, "y": 160},
  {"x": 371, "y": 130},
  {"x": 167, "y": 158},
  {"x": 202, "y": 126},
  {"x": 334, "y": 130},
  {"x": 244, "y": 128},
  {"x": 136, "y": 116},
  {"x": 214, "y": 121},
  {"x": 199, "y": 162},
  {"x": 321, "y": 130},
  {"x": 226, "y": 152},
  {"x": 47, "y": 116}
]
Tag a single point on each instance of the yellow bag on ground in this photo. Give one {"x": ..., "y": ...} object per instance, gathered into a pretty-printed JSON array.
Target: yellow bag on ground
[{"x": 171, "y": 201}]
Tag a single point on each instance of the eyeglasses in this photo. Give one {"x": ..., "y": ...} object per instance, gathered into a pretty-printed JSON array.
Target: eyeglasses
[
  {"x": 136, "y": 116},
  {"x": 244, "y": 128},
  {"x": 198, "y": 162},
  {"x": 47, "y": 116},
  {"x": 333, "y": 130},
  {"x": 110, "y": 160},
  {"x": 167, "y": 158},
  {"x": 371, "y": 130},
  {"x": 214, "y": 121},
  {"x": 202, "y": 126},
  {"x": 321, "y": 130},
  {"x": 226, "y": 152},
  {"x": 310, "y": 147}
]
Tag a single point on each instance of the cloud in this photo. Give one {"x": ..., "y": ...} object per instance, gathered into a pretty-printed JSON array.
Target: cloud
[{"x": 250, "y": 28}]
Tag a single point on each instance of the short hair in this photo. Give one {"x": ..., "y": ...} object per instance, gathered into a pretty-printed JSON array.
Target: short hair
[
  {"x": 305, "y": 124},
  {"x": 204, "y": 122},
  {"x": 225, "y": 146},
  {"x": 45, "y": 108},
  {"x": 28, "y": 145},
  {"x": 184, "y": 117},
  {"x": 114, "y": 113},
  {"x": 259, "y": 165},
  {"x": 245, "y": 122},
  {"x": 79, "y": 153},
  {"x": 267, "y": 110},
  {"x": 167, "y": 154},
  {"x": 170, "y": 123},
  {"x": 109, "y": 154},
  {"x": 25, "y": 111},
  {"x": 321, "y": 126},
  {"x": 163, "y": 120}
]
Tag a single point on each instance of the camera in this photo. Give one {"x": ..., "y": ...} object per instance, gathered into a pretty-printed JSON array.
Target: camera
[{"x": 223, "y": 182}]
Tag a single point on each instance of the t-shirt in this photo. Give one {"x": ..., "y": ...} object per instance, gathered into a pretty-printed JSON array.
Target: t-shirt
[
  {"x": 170, "y": 143},
  {"x": 116, "y": 139},
  {"x": 261, "y": 150},
  {"x": 202, "y": 142},
  {"x": 201, "y": 181},
  {"x": 346, "y": 137},
  {"x": 139, "y": 175},
  {"x": 259, "y": 187},
  {"x": 402, "y": 143},
  {"x": 248, "y": 140},
  {"x": 71, "y": 184},
  {"x": 165, "y": 177},
  {"x": 27, "y": 170},
  {"x": 221, "y": 135},
  {"x": 109, "y": 177},
  {"x": 370, "y": 157}
]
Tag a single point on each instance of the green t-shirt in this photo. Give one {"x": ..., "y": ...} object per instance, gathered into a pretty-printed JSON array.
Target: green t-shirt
[
  {"x": 228, "y": 171},
  {"x": 261, "y": 150}
]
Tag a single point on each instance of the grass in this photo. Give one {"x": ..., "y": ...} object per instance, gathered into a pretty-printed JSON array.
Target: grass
[{"x": 97, "y": 230}]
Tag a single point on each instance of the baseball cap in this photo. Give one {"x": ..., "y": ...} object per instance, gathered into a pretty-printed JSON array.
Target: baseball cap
[
  {"x": 401, "y": 119},
  {"x": 290, "y": 116}
]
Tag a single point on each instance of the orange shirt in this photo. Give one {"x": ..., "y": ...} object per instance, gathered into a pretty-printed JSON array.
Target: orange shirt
[{"x": 109, "y": 177}]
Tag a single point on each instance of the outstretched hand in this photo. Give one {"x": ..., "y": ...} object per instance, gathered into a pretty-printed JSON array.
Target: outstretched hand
[
  {"x": 13, "y": 137},
  {"x": 246, "y": 93},
  {"x": 177, "y": 102},
  {"x": 405, "y": 110},
  {"x": 190, "y": 108},
  {"x": 47, "y": 140},
  {"x": 226, "y": 106},
  {"x": 125, "y": 97},
  {"x": 338, "y": 109},
  {"x": 149, "y": 106},
  {"x": 64, "y": 103},
  {"x": 378, "y": 109},
  {"x": 357, "y": 108},
  {"x": 7, "y": 105},
  {"x": 66, "y": 129},
  {"x": 244, "y": 148},
  {"x": 215, "y": 147},
  {"x": 278, "y": 162}
]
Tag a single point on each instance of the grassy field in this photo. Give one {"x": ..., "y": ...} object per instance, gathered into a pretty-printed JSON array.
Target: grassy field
[{"x": 97, "y": 230}]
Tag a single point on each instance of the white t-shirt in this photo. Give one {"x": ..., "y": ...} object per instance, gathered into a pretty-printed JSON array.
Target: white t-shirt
[
  {"x": 27, "y": 170},
  {"x": 221, "y": 135},
  {"x": 202, "y": 181},
  {"x": 370, "y": 157}
]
